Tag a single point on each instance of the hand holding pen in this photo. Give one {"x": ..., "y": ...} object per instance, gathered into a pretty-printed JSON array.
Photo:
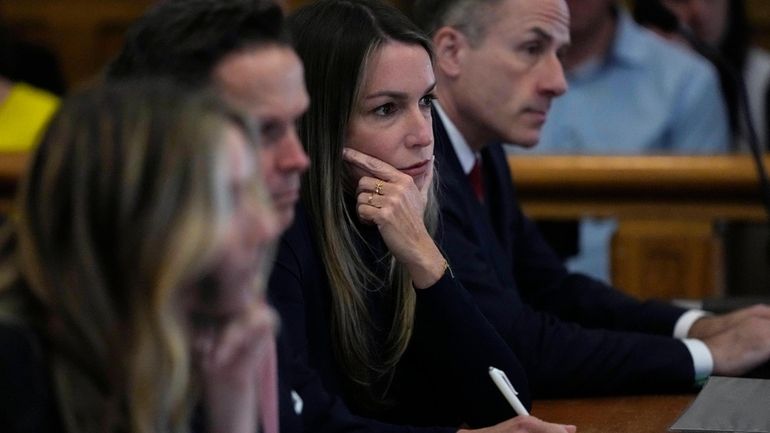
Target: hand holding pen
[
  {"x": 524, "y": 423},
  {"x": 506, "y": 388}
]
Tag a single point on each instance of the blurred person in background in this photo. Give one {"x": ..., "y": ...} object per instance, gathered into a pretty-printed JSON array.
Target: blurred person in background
[
  {"x": 630, "y": 93},
  {"x": 29, "y": 84},
  {"x": 131, "y": 279},
  {"x": 720, "y": 30}
]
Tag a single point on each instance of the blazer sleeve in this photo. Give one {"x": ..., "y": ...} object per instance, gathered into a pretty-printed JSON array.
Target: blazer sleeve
[
  {"x": 545, "y": 283},
  {"x": 561, "y": 358},
  {"x": 456, "y": 345},
  {"x": 518, "y": 283}
]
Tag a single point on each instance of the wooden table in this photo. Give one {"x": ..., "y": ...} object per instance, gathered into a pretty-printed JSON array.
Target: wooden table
[{"x": 626, "y": 414}]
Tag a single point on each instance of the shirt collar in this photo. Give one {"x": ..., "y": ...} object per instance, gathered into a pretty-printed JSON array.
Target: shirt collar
[{"x": 465, "y": 154}]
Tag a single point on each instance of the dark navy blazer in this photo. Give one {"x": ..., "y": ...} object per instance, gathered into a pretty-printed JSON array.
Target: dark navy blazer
[
  {"x": 573, "y": 334},
  {"x": 442, "y": 380}
]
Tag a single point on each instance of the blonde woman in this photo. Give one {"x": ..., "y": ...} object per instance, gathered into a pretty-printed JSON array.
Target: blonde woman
[{"x": 130, "y": 279}]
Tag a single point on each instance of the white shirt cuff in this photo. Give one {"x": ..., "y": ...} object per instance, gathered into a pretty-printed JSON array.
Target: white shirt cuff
[
  {"x": 702, "y": 361},
  {"x": 685, "y": 322}
]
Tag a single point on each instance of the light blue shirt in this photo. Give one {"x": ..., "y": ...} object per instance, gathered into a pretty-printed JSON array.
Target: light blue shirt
[{"x": 646, "y": 96}]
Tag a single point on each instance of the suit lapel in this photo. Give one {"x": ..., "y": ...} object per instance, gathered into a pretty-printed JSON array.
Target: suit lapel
[
  {"x": 499, "y": 193},
  {"x": 457, "y": 196}
]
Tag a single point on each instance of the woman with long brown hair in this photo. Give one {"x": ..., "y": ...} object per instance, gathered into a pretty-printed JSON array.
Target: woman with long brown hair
[{"x": 368, "y": 298}]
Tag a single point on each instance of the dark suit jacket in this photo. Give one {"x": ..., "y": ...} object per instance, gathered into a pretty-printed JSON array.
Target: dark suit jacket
[
  {"x": 573, "y": 334},
  {"x": 443, "y": 377}
]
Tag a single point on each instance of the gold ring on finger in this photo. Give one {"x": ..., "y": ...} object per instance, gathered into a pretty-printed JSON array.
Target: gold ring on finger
[{"x": 378, "y": 188}]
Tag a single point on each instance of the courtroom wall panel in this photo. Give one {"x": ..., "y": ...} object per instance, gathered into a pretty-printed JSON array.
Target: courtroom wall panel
[
  {"x": 668, "y": 258},
  {"x": 84, "y": 34}
]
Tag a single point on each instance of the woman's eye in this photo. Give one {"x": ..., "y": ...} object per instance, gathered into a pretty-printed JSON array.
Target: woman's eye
[
  {"x": 427, "y": 100},
  {"x": 385, "y": 109}
]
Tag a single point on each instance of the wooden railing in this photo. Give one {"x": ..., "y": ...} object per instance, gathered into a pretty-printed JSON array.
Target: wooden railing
[
  {"x": 667, "y": 206},
  {"x": 666, "y": 245}
]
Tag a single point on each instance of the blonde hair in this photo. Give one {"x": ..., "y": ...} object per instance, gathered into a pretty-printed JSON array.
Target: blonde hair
[{"x": 124, "y": 203}]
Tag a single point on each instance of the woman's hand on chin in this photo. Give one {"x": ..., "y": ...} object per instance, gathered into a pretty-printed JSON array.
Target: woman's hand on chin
[{"x": 391, "y": 200}]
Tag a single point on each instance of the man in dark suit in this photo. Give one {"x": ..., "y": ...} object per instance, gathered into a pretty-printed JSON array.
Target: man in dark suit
[
  {"x": 242, "y": 51},
  {"x": 498, "y": 68}
]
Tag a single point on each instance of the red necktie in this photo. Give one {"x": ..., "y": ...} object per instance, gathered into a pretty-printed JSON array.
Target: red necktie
[{"x": 477, "y": 180}]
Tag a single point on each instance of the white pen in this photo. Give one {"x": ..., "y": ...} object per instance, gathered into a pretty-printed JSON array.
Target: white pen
[{"x": 509, "y": 392}]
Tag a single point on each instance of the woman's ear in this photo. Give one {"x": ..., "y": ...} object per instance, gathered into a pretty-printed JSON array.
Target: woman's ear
[{"x": 450, "y": 45}]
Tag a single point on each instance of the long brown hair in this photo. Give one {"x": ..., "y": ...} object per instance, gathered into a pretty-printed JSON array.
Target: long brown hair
[{"x": 335, "y": 39}]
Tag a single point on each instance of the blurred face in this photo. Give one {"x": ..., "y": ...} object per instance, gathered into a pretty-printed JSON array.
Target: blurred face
[
  {"x": 587, "y": 15},
  {"x": 706, "y": 18},
  {"x": 391, "y": 119},
  {"x": 506, "y": 81},
  {"x": 268, "y": 82},
  {"x": 228, "y": 291}
]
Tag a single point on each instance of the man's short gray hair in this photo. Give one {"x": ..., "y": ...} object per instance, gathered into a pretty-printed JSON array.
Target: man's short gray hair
[{"x": 468, "y": 16}]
